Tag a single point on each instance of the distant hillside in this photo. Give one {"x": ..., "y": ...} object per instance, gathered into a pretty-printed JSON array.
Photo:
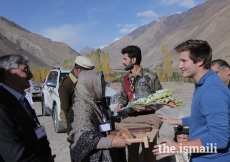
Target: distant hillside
[
  {"x": 8, "y": 47},
  {"x": 87, "y": 50},
  {"x": 42, "y": 51},
  {"x": 209, "y": 21}
]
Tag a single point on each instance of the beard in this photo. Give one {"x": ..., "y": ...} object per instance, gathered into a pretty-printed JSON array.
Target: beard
[{"x": 129, "y": 66}]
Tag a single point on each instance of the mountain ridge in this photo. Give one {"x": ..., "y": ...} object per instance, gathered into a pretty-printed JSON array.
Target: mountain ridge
[
  {"x": 51, "y": 53},
  {"x": 208, "y": 21}
]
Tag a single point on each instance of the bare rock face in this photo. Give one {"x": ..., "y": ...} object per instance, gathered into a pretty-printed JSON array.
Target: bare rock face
[
  {"x": 45, "y": 50},
  {"x": 209, "y": 21}
]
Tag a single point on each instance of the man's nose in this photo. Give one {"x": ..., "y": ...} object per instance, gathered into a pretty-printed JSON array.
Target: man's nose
[
  {"x": 180, "y": 65},
  {"x": 30, "y": 75}
]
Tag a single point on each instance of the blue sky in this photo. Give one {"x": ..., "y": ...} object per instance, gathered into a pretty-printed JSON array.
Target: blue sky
[{"x": 95, "y": 23}]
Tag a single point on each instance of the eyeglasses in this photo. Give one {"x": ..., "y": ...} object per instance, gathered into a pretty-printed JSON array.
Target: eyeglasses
[
  {"x": 220, "y": 70},
  {"x": 26, "y": 70}
]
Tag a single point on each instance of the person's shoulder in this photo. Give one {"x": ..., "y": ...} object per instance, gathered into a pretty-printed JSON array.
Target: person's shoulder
[
  {"x": 125, "y": 76},
  {"x": 65, "y": 81},
  {"x": 150, "y": 74}
]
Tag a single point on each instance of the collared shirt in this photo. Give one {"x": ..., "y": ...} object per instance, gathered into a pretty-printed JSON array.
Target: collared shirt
[
  {"x": 15, "y": 93},
  {"x": 73, "y": 77},
  {"x": 209, "y": 120},
  {"x": 20, "y": 97}
]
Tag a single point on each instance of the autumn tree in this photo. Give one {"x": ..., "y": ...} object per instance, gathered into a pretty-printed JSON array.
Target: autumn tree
[
  {"x": 39, "y": 74},
  {"x": 167, "y": 63},
  {"x": 36, "y": 75},
  {"x": 44, "y": 72},
  {"x": 160, "y": 73},
  {"x": 68, "y": 64},
  {"x": 105, "y": 63},
  {"x": 102, "y": 63}
]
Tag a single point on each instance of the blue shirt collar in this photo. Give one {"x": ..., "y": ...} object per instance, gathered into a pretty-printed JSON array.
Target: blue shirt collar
[{"x": 202, "y": 79}]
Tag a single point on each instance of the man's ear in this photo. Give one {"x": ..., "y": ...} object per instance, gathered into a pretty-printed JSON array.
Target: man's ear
[
  {"x": 227, "y": 69},
  {"x": 200, "y": 63},
  {"x": 134, "y": 60}
]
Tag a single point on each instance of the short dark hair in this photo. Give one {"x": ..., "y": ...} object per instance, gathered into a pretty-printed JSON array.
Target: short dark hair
[
  {"x": 220, "y": 62},
  {"x": 133, "y": 51},
  {"x": 180, "y": 130},
  {"x": 199, "y": 51}
]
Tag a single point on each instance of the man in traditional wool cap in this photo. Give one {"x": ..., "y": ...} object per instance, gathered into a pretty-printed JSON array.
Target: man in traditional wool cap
[{"x": 67, "y": 85}]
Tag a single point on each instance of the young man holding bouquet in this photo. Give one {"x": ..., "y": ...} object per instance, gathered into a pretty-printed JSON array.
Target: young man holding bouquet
[
  {"x": 138, "y": 84},
  {"x": 209, "y": 134}
]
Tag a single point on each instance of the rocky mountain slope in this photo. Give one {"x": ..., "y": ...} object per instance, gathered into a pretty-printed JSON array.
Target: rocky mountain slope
[
  {"x": 43, "y": 51},
  {"x": 209, "y": 21}
]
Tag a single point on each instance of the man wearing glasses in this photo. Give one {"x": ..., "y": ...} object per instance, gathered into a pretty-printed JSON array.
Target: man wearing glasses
[
  {"x": 22, "y": 137},
  {"x": 222, "y": 68}
]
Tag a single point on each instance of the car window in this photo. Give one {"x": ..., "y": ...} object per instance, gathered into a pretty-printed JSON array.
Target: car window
[
  {"x": 50, "y": 76},
  {"x": 63, "y": 75},
  {"x": 53, "y": 76},
  {"x": 35, "y": 84}
]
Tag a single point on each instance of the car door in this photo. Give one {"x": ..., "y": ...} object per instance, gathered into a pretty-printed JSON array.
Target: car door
[{"x": 53, "y": 76}]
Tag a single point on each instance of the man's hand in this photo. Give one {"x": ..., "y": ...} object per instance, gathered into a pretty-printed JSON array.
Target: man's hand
[
  {"x": 118, "y": 108},
  {"x": 171, "y": 121},
  {"x": 120, "y": 142},
  {"x": 166, "y": 148},
  {"x": 114, "y": 136}
]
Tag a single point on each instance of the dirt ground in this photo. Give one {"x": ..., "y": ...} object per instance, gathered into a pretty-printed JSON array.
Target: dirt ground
[{"x": 60, "y": 146}]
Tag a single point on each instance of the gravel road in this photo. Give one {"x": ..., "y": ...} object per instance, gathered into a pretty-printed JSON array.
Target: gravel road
[{"x": 60, "y": 146}]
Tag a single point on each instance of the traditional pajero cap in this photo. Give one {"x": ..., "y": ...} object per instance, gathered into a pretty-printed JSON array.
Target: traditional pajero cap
[{"x": 84, "y": 62}]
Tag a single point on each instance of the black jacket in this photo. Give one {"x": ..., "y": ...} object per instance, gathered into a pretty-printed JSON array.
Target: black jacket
[{"x": 18, "y": 141}]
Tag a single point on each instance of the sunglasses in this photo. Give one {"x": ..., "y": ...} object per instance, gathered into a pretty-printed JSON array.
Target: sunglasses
[{"x": 26, "y": 70}]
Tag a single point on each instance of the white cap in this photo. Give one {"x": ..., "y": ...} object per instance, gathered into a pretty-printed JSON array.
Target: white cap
[{"x": 84, "y": 62}]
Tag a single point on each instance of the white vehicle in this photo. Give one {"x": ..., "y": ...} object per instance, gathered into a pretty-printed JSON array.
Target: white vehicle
[
  {"x": 114, "y": 96},
  {"x": 36, "y": 91},
  {"x": 50, "y": 98}
]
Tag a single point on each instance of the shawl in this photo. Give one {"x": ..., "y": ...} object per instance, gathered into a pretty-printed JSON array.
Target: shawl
[{"x": 85, "y": 117}]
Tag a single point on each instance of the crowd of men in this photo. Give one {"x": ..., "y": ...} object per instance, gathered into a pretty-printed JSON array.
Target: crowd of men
[{"x": 23, "y": 138}]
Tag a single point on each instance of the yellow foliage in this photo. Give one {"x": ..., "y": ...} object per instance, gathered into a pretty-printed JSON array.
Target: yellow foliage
[
  {"x": 101, "y": 61},
  {"x": 166, "y": 72},
  {"x": 68, "y": 64},
  {"x": 39, "y": 75},
  {"x": 105, "y": 63}
]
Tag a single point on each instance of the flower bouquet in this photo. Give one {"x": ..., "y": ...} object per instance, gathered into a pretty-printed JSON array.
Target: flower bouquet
[
  {"x": 158, "y": 99},
  {"x": 161, "y": 97}
]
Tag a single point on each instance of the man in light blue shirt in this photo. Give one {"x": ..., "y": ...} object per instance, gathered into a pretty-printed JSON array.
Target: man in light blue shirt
[{"x": 210, "y": 110}]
